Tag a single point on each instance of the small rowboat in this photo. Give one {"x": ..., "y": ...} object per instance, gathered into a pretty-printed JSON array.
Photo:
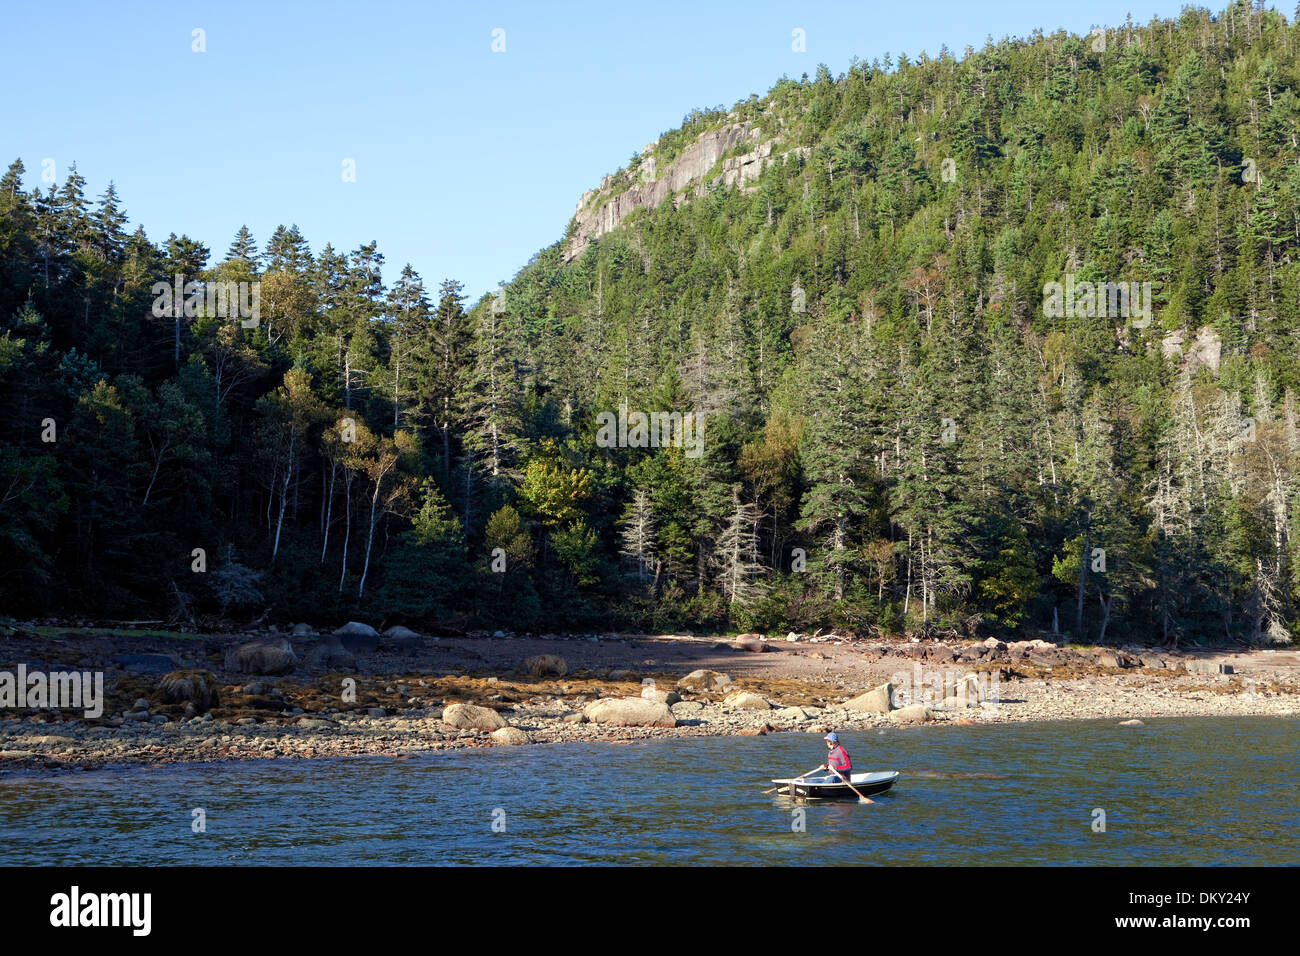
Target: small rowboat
[{"x": 829, "y": 786}]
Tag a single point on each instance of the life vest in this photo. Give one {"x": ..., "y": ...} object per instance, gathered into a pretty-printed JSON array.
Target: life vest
[{"x": 839, "y": 760}]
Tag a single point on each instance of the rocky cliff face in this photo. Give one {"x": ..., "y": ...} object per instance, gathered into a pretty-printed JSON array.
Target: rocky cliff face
[{"x": 601, "y": 210}]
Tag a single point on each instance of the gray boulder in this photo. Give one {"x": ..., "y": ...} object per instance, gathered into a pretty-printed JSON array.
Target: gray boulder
[
  {"x": 510, "y": 736},
  {"x": 269, "y": 657},
  {"x": 916, "y": 713},
  {"x": 331, "y": 654},
  {"x": 472, "y": 717},
  {"x": 401, "y": 637},
  {"x": 745, "y": 700},
  {"x": 876, "y": 701},
  {"x": 630, "y": 712},
  {"x": 358, "y": 638},
  {"x": 198, "y": 687}
]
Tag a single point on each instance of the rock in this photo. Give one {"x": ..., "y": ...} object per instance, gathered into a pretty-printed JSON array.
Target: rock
[
  {"x": 1131, "y": 723},
  {"x": 1150, "y": 660},
  {"x": 941, "y": 653},
  {"x": 472, "y": 717},
  {"x": 139, "y": 715},
  {"x": 744, "y": 700},
  {"x": 302, "y": 630},
  {"x": 914, "y": 713},
  {"x": 622, "y": 674},
  {"x": 1209, "y": 667},
  {"x": 1046, "y": 658},
  {"x": 400, "y": 637},
  {"x": 669, "y": 697},
  {"x": 790, "y": 713},
  {"x": 198, "y": 687},
  {"x": 740, "y": 147},
  {"x": 146, "y": 663},
  {"x": 876, "y": 701},
  {"x": 1108, "y": 659},
  {"x": 959, "y": 701},
  {"x": 246, "y": 721},
  {"x": 358, "y": 638},
  {"x": 750, "y": 642},
  {"x": 630, "y": 712},
  {"x": 574, "y": 717},
  {"x": 275, "y": 657},
  {"x": 546, "y": 665},
  {"x": 376, "y": 712},
  {"x": 700, "y": 681},
  {"x": 511, "y": 736},
  {"x": 141, "y": 703},
  {"x": 316, "y": 723},
  {"x": 332, "y": 655},
  {"x": 356, "y": 629},
  {"x": 792, "y": 638},
  {"x": 687, "y": 708}
]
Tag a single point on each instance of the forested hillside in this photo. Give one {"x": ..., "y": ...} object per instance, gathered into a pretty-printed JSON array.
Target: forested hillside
[{"x": 905, "y": 425}]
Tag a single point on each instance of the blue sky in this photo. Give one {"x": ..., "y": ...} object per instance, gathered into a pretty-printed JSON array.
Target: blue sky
[{"x": 467, "y": 161}]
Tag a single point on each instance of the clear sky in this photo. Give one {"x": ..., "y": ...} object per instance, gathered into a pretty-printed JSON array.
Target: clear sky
[{"x": 467, "y": 161}]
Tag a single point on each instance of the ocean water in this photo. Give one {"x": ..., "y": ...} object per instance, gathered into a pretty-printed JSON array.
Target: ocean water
[{"x": 1203, "y": 791}]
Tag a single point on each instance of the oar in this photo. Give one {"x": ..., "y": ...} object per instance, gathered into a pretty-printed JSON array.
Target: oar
[
  {"x": 861, "y": 798},
  {"x": 804, "y": 774}
]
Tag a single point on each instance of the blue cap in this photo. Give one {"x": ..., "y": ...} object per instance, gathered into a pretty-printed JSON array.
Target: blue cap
[{"x": 832, "y": 738}]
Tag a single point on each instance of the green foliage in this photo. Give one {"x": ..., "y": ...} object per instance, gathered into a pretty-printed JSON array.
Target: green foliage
[{"x": 898, "y": 435}]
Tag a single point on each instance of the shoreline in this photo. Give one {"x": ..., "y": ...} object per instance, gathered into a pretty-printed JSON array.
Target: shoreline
[{"x": 402, "y": 693}]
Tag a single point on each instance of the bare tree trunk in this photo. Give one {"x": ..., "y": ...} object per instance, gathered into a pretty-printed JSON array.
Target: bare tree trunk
[{"x": 347, "y": 534}]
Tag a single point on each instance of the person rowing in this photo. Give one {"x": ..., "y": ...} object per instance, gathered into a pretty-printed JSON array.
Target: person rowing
[
  {"x": 837, "y": 761},
  {"x": 840, "y": 764}
]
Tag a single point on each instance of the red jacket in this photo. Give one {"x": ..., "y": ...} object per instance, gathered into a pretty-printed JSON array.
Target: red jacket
[{"x": 839, "y": 760}]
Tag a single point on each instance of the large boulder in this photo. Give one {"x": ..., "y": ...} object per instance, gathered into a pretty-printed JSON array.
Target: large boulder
[
  {"x": 358, "y": 638},
  {"x": 701, "y": 681},
  {"x": 400, "y": 637},
  {"x": 876, "y": 701},
  {"x": 332, "y": 655},
  {"x": 510, "y": 736},
  {"x": 747, "y": 701},
  {"x": 472, "y": 717},
  {"x": 198, "y": 687},
  {"x": 751, "y": 642},
  {"x": 546, "y": 665},
  {"x": 629, "y": 712},
  {"x": 262, "y": 657},
  {"x": 1109, "y": 659},
  {"x": 916, "y": 713}
]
